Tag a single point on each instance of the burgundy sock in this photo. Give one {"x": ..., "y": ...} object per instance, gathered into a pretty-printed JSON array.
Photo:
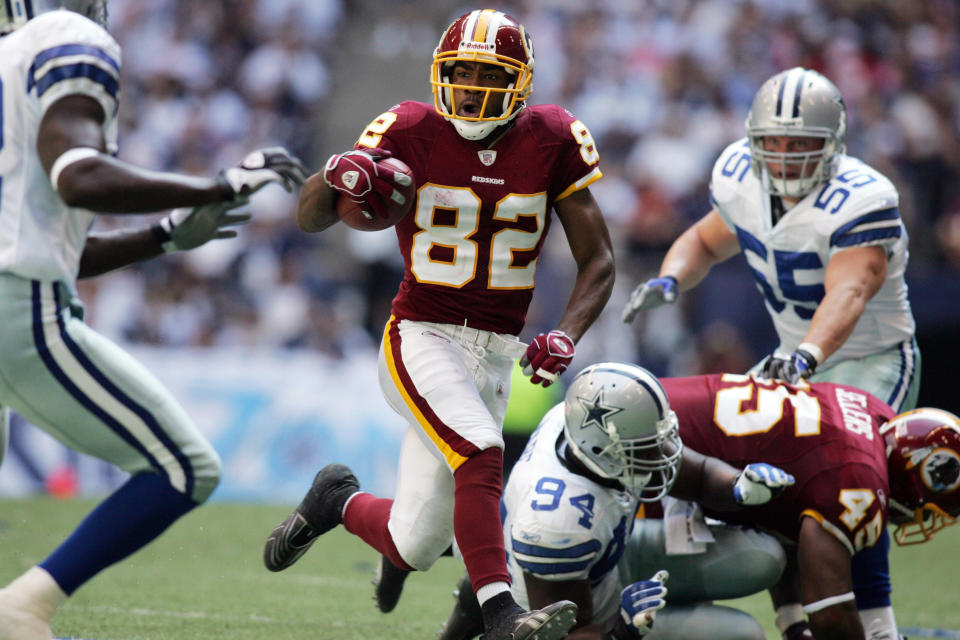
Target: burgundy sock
[
  {"x": 366, "y": 516},
  {"x": 476, "y": 517}
]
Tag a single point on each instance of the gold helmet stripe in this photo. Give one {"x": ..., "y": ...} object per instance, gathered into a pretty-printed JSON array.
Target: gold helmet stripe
[{"x": 483, "y": 23}]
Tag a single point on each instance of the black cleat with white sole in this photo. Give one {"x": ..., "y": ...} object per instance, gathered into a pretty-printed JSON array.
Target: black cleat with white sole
[
  {"x": 319, "y": 511},
  {"x": 553, "y": 622}
]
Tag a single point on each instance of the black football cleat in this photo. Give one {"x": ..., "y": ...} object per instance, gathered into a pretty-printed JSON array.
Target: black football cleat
[
  {"x": 466, "y": 620},
  {"x": 388, "y": 584},
  {"x": 319, "y": 511},
  {"x": 553, "y": 622}
]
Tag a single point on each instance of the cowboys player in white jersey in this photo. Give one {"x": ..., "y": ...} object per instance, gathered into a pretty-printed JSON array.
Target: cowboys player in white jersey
[
  {"x": 569, "y": 527},
  {"x": 822, "y": 235},
  {"x": 59, "y": 84}
]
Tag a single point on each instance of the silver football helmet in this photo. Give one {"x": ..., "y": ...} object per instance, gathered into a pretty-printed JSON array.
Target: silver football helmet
[
  {"x": 619, "y": 424},
  {"x": 15, "y": 13},
  {"x": 797, "y": 103}
]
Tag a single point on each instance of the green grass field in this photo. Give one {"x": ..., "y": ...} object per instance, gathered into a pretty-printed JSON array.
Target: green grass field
[{"x": 204, "y": 579}]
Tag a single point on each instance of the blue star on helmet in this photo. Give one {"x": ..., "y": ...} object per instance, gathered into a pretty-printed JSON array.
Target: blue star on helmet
[{"x": 596, "y": 411}]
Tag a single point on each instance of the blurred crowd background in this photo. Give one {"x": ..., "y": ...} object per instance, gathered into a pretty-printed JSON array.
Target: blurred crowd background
[{"x": 664, "y": 86}]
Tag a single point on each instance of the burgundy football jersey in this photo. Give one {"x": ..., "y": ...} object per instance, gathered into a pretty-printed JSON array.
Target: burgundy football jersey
[
  {"x": 825, "y": 435},
  {"x": 471, "y": 242}
]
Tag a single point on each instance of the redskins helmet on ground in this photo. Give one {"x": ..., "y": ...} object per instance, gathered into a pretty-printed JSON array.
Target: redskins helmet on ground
[
  {"x": 483, "y": 36},
  {"x": 923, "y": 461}
]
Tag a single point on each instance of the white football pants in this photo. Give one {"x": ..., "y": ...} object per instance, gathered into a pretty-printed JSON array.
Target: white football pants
[
  {"x": 451, "y": 383},
  {"x": 91, "y": 395}
]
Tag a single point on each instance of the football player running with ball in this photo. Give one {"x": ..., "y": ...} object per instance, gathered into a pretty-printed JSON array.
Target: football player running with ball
[
  {"x": 489, "y": 170},
  {"x": 822, "y": 236},
  {"x": 59, "y": 83}
]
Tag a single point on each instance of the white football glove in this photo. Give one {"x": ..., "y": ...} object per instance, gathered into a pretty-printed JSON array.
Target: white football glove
[
  {"x": 759, "y": 483},
  {"x": 639, "y": 603},
  {"x": 260, "y": 168},
  {"x": 189, "y": 228},
  {"x": 650, "y": 295}
]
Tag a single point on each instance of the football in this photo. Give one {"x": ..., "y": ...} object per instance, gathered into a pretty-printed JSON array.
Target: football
[{"x": 354, "y": 216}]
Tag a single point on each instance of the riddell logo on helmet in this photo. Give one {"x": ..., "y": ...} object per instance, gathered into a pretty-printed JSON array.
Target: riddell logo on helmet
[{"x": 483, "y": 47}]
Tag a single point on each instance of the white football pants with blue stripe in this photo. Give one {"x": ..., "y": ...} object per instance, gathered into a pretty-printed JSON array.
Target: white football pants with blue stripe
[
  {"x": 892, "y": 375},
  {"x": 87, "y": 392}
]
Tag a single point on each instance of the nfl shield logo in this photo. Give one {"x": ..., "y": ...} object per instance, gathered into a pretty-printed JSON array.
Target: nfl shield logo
[{"x": 487, "y": 156}]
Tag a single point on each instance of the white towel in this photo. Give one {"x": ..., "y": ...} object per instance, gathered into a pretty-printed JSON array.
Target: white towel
[{"x": 685, "y": 531}]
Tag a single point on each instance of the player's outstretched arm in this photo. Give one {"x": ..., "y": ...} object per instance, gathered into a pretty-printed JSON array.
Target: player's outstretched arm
[
  {"x": 182, "y": 230},
  {"x": 720, "y": 486},
  {"x": 689, "y": 259},
  {"x": 72, "y": 149}
]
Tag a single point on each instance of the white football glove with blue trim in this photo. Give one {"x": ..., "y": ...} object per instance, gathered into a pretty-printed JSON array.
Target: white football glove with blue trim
[
  {"x": 760, "y": 483},
  {"x": 639, "y": 603}
]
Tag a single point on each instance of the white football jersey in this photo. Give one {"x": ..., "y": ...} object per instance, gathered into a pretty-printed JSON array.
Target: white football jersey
[
  {"x": 559, "y": 525},
  {"x": 856, "y": 208},
  {"x": 56, "y": 54}
]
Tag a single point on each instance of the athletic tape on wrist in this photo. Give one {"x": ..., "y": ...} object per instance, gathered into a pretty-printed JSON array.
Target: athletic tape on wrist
[
  {"x": 66, "y": 159},
  {"x": 820, "y": 605},
  {"x": 788, "y": 615},
  {"x": 813, "y": 350}
]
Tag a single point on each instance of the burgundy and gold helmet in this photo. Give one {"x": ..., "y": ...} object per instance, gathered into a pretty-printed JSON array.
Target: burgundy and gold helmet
[
  {"x": 923, "y": 460},
  {"x": 486, "y": 36}
]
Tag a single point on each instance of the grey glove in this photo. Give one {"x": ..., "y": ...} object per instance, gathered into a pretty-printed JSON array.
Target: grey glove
[
  {"x": 189, "y": 228},
  {"x": 791, "y": 368},
  {"x": 649, "y": 295},
  {"x": 260, "y": 168}
]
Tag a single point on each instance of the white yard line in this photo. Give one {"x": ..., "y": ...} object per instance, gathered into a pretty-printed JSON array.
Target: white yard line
[{"x": 191, "y": 615}]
